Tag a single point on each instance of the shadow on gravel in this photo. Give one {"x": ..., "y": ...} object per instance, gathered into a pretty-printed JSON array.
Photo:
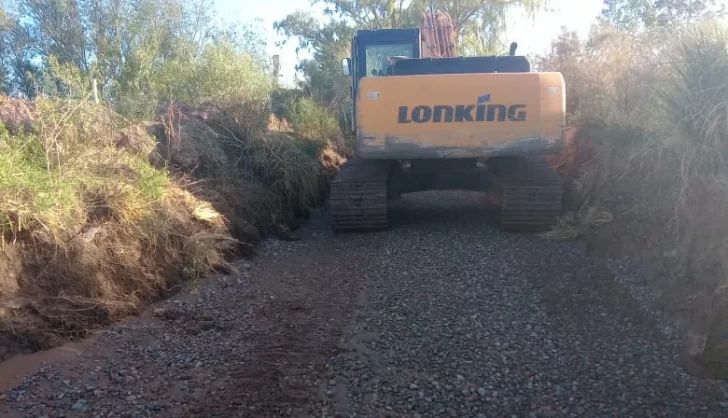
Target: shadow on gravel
[{"x": 414, "y": 211}]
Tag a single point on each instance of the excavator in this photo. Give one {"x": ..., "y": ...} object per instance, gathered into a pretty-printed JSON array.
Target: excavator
[{"x": 428, "y": 119}]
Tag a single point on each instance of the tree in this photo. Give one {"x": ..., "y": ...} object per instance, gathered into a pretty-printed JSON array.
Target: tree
[
  {"x": 636, "y": 15},
  {"x": 478, "y": 22},
  {"x": 373, "y": 14},
  {"x": 131, "y": 49},
  {"x": 565, "y": 57},
  {"x": 380, "y": 14},
  {"x": 330, "y": 43}
]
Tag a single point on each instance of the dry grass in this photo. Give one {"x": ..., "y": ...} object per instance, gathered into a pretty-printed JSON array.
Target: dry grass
[
  {"x": 98, "y": 218},
  {"x": 574, "y": 225},
  {"x": 655, "y": 115},
  {"x": 290, "y": 170}
]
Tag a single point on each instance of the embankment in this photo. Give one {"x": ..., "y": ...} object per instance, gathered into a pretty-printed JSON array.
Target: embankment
[
  {"x": 99, "y": 216},
  {"x": 646, "y": 169}
]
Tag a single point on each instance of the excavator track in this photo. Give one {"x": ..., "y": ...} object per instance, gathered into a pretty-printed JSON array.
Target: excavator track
[
  {"x": 531, "y": 194},
  {"x": 358, "y": 197}
]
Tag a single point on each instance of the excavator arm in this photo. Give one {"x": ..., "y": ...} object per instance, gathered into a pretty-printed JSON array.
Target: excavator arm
[{"x": 439, "y": 37}]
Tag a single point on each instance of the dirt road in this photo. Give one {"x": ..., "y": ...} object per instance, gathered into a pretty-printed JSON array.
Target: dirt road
[{"x": 441, "y": 316}]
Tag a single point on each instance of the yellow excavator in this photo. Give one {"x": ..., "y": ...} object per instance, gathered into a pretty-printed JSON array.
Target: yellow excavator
[{"x": 426, "y": 119}]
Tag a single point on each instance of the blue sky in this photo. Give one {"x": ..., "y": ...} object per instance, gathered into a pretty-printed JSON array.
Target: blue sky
[{"x": 533, "y": 36}]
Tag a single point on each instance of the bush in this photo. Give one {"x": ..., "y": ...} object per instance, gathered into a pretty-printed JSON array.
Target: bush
[
  {"x": 222, "y": 73},
  {"x": 315, "y": 123}
]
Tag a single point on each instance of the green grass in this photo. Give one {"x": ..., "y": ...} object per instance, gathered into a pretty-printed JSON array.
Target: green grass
[
  {"x": 314, "y": 121},
  {"x": 33, "y": 193},
  {"x": 51, "y": 180}
]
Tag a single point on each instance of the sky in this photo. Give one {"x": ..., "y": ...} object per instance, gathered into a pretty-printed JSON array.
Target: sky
[{"x": 532, "y": 35}]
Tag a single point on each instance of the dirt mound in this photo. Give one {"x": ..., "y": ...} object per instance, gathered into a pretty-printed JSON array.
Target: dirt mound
[
  {"x": 278, "y": 124},
  {"x": 331, "y": 160},
  {"x": 578, "y": 152}
]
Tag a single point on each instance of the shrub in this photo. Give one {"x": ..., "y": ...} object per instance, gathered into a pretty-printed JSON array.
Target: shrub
[
  {"x": 314, "y": 121},
  {"x": 316, "y": 126},
  {"x": 222, "y": 73}
]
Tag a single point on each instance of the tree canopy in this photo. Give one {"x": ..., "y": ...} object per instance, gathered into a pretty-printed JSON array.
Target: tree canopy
[
  {"x": 636, "y": 15},
  {"x": 131, "y": 49}
]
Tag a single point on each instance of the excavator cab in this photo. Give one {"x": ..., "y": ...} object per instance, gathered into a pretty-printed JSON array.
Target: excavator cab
[{"x": 374, "y": 51}]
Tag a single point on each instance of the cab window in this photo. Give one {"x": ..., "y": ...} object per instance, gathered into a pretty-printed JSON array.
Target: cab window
[{"x": 378, "y": 57}]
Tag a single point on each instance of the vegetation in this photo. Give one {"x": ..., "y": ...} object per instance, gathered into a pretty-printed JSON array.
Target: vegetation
[
  {"x": 98, "y": 217},
  {"x": 138, "y": 153},
  {"x": 650, "y": 156},
  {"x": 636, "y": 15}
]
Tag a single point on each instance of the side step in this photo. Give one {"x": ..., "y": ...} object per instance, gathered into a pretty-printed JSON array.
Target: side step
[
  {"x": 531, "y": 193},
  {"x": 358, "y": 197}
]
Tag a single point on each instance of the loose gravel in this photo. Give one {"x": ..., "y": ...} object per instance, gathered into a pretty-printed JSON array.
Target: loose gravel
[{"x": 441, "y": 316}]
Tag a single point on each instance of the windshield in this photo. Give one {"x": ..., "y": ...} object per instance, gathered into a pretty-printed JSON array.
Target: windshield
[{"x": 378, "y": 57}]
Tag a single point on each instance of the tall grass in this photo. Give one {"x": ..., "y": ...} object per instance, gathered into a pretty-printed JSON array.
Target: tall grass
[
  {"x": 658, "y": 100},
  {"x": 695, "y": 97},
  {"x": 654, "y": 108}
]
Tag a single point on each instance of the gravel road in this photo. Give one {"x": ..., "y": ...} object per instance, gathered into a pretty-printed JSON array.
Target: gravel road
[{"x": 441, "y": 316}]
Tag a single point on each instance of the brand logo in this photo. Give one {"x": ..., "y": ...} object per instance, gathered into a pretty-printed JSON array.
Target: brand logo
[{"x": 480, "y": 112}]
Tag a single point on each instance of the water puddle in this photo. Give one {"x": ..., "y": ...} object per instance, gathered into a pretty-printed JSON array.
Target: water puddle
[{"x": 15, "y": 369}]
